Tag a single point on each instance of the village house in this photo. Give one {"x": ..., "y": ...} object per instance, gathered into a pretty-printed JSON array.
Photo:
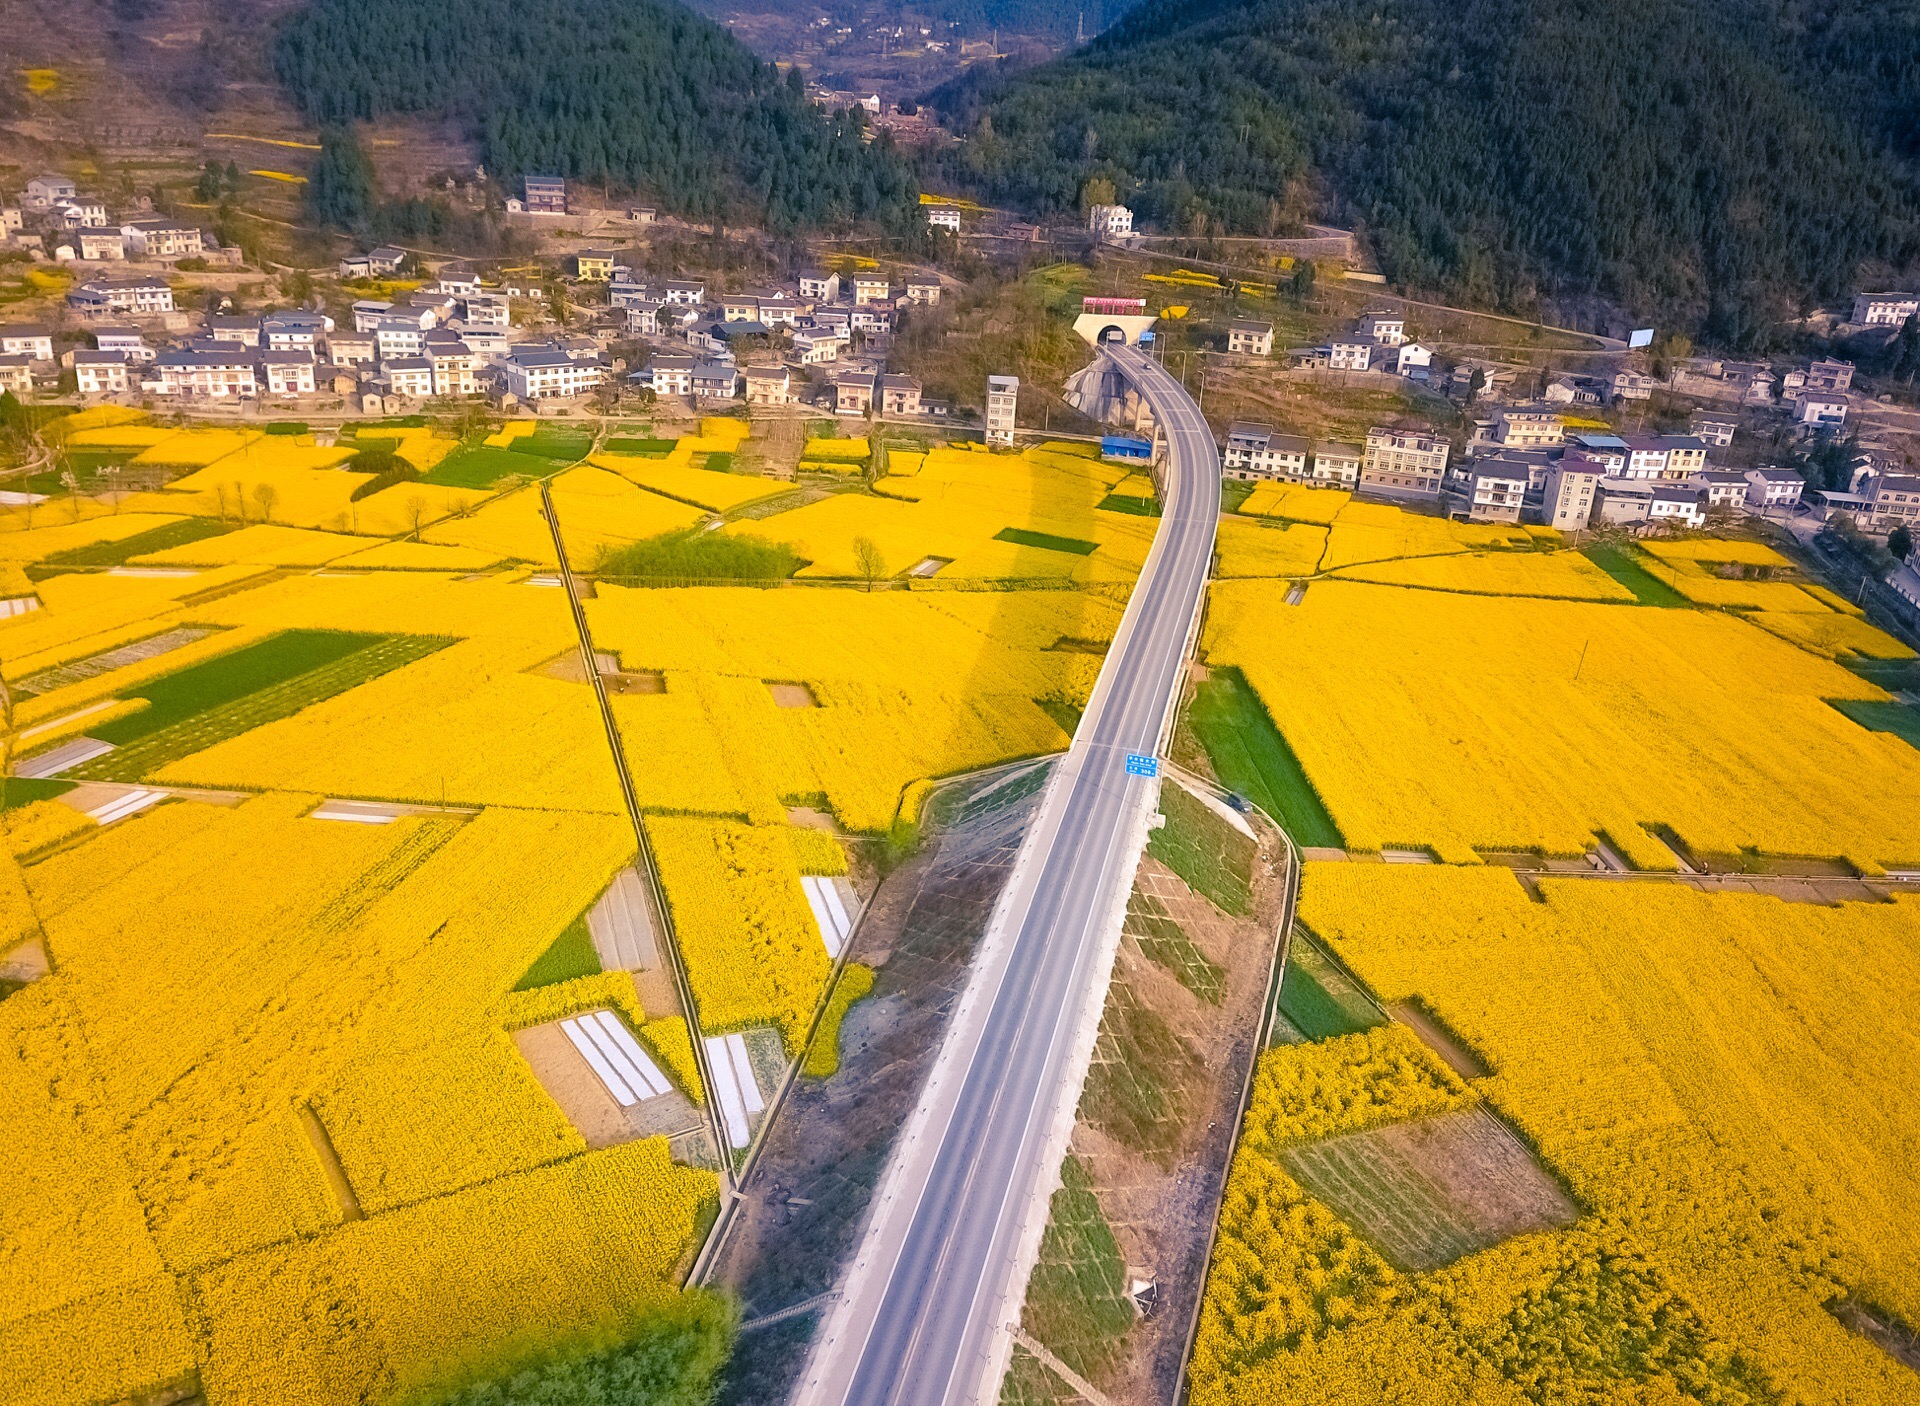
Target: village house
[
  {"x": 351, "y": 348},
  {"x": 99, "y": 372},
  {"x": 1716, "y": 427},
  {"x": 1769, "y": 488},
  {"x": 16, "y": 374},
  {"x": 545, "y": 195},
  {"x": 45, "y": 192},
  {"x": 683, "y": 292},
  {"x": 1674, "y": 504},
  {"x": 484, "y": 310},
  {"x": 1821, "y": 410},
  {"x": 899, "y": 395},
  {"x": 1722, "y": 490},
  {"x": 1110, "y": 221},
  {"x": 643, "y": 319},
  {"x": 1883, "y": 309},
  {"x": 1686, "y": 455},
  {"x": 1495, "y": 491},
  {"x": 103, "y": 297},
  {"x": 1405, "y": 460},
  {"x": 1254, "y": 451},
  {"x": 870, "y": 288},
  {"x": 946, "y": 217},
  {"x": 1829, "y": 374},
  {"x": 1250, "y": 338},
  {"x": 102, "y": 246},
  {"x": 453, "y": 368},
  {"x": 161, "y": 239},
  {"x": 669, "y": 375},
  {"x": 399, "y": 336},
  {"x": 853, "y": 392},
  {"x": 1003, "y": 405},
  {"x": 1894, "y": 500},
  {"x": 407, "y": 376},
  {"x": 1337, "y": 462},
  {"x": 1349, "y": 354},
  {"x": 242, "y": 331},
  {"x": 769, "y": 385},
  {"x": 922, "y": 290},
  {"x": 289, "y": 371},
  {"x": 294, "y": 331},
  {"x": 740, "y": 307},
  {"x": 457, "y": 281},
  {"x": 28, "y": 339},
  {"x": 820, "y": 286},
  {"x": 1521, "y": 426},
  {"x": 130, "y": 342},
  {"x": 1382, "y": 326},
  {"x": 874, "y": 317},
  {"x": 1628, "y": 384},
  {"x": 204, "y": 375},
  {"x": 715, "y": 380},
  {"x": 1568, "y": 492},
  {"x": 547, "y": 373},
  {"x": 81, "y": 213},
  {"x": 593, "y": 265},
  {"x": 1415, "y": 362},
  {"x": 367, "y": 313}
]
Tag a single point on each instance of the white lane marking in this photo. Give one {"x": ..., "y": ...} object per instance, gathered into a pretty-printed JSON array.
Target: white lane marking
[
  {"x": 637, "y": 1056},
  {"x": 125, "y": 804},
  {"x": 615, "y": 1085}
]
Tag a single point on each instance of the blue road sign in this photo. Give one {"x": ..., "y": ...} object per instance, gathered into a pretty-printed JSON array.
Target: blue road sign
[{"x": 1138, "y": 765}]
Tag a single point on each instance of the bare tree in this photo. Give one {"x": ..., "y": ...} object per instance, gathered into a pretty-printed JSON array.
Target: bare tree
[
  {"x": 266, "y": 495},
  {"x": 417, "y": 509},
  {"x": 868, "y": 561}
]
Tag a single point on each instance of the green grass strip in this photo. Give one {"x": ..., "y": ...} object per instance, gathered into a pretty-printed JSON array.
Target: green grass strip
[
  {"x": 100, "y": 555},
  {"x": 175, "y": 697},
  {"x": 1214, "y": 858},
  {"x": 572, "y": 955},
  {"x": 1882, "y": 716},
  {"x": 1631, "y": 572},
  {"x": 652, "y": 448},
  {"x": 269, "y": 700},
  {"x": 1046, "y": 540},
  {"x": 25, "y": 790},
  {"x": 1077, "y": 1302},
  {"x": 484, "y": 465},
  {"x": 1139, "y": 507},
  {"x": 1251, "y": 757},
  {"x": 1308, "y": 998}
]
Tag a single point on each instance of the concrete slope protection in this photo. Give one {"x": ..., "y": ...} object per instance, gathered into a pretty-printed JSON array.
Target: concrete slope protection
[{"x": 925, "y": 1314}]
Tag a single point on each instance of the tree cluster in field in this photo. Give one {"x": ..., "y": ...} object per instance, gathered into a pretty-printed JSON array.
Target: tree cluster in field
[
  {"x": 1717, "y": 168},
  {"x": 637, "y": 95}
]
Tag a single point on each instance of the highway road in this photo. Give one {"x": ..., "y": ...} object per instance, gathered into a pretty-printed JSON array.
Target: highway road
[{"x": 924, "y": 1315}]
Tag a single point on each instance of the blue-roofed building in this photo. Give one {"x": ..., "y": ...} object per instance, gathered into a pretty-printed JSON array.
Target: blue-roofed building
[{"x": 1125, "y": 449}]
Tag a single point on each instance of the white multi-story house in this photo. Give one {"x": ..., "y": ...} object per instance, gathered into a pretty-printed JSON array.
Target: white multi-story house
[
  {"x": 538, "y": 373},
  {"x": 81, "y": 214},
  {"x": 1570, "y": 490},
  {"x": 458, "y": 281},
  {"x": 16, "y": 374},
  {"x": 778, "y": 309},
  {"x": 1523, "y": 426},
  {"x": 820, "y": 286},
  {"x": 1254, "y": 451},
  {"x": 409, "y": 376},
  {"x": 1883, "y": 309},
  {"x": 1715, "y": 427},
  {"x": 45, "y": 192},
  {"x": 289, "y": 371},
  {"x": 128, "y": 341},
  {"x": 1405, "y": 460},
  {"x": 1495, "y": 491},
  {"x": 294, "y": 331},
  {"x": 946, "y": 217},
  {"x": 870, "y": 288},
  {"x": 1349, "y": 354},
  {"x": 399, "y": 335},
  {"x": 100, "y": 372},
  {"x": 1821, "y": 410},
  {"x": 1337, "y": 463},
  {"x": 923, "y": 290},
  {"x": 670, "y": 375},
  {"x": 1720, "y": 489},
  {"x": 1675, "y": 503},
  {"x": 1628, "y": 384},
  {"x": 205, "y": 375},
  {"x": 483, "y": 310},
  {"x": 351, "y": 349},
  {"x": 368, "y": 312},
  {"x": 102, "y": 246},
  {"x": 1249, "y": 338},
  {"x": 103, "y": 297},
  {"x": 1382, "y": 326},
  {"x": 682, "y": 292},
  {"x": 1414, "y": 361},
  {"x": 1003, "y": 403},
  {"x": 28, "y": 339},
  {"x": 1893, "y": 500},
  {"x": 162, "y": 239},
  {"x": 1773, "y": 488},
  {"x": 643, "y": 319},
  {"x": 715, "y": 380},
  {"x": 1110, "y": 221}
]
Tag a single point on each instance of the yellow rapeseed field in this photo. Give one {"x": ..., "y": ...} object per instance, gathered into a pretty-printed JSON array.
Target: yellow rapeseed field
[
  {"x": 195, "y": 448},
  {"x": 1268, "y": 549},
  {"x": 597, "y": 509},
  {"x": 1831, "y": 633},
  {"x": 263, "y": 544},
  {"x": 222, "y": 979},
  {"x": 1370, "y": 532},
  {"x": 422, "y": 556},
  {"x": 1564, "y": 575},
  {"x": 1456, "y": 721},
  {"x": 856, "y": 450},
  {"x": 19, "y": 542},
  {"x": 307, "y": 490},
  {"x": 85, "y": 613},
  {"x": 1295, "y": 502},
  {"x": 1715, "y": 549},
  {"x": 1721, "y": 1081},
  {"x": 704, "y": 488}
]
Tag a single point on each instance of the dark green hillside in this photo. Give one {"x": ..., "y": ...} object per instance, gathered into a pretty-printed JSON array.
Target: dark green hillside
[
  {"x": 640, "y": 94},
  {"x": 1719, "y": 167}
]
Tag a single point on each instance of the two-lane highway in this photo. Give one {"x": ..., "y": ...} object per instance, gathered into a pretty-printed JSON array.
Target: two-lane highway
[{"x": 924, "y": 1314}]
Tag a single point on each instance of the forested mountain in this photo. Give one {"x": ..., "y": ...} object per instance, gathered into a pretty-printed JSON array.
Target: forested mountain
[
  {"x": 1719, "y": 166},
  {"x": 640, "y": 94}
]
